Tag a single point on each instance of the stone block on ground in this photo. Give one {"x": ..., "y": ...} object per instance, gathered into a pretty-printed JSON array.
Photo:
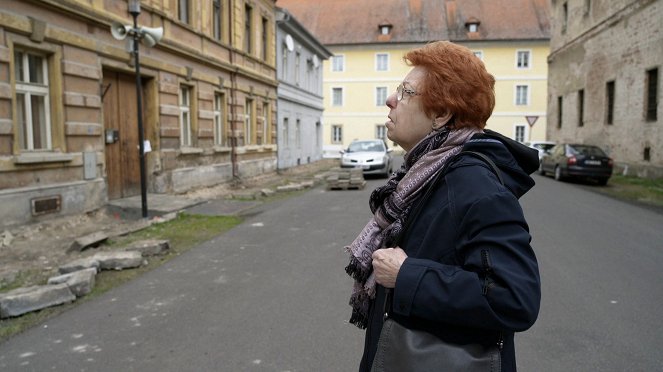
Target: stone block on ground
[
  {"x": 86, "y": 241},
  {"x": 119, "y": 260},
  {"x": 25, "y": 300},
  {"x": 79, "y": 264},
  {"x": 267, "y": 192},
  {"x": 290, "y": 187},
  {"x": 152, "y": 247},
  {"x": 80, "y": 282}
]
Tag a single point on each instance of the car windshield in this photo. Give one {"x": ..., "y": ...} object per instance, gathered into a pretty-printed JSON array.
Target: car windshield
[
  {"x": 544, "y": 146},
  {"x": 366, "y": 146},
  {"x": 586, "y": 150}
]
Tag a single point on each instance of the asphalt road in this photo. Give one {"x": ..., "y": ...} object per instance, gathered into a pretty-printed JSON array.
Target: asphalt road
[{"x": 271, "y": 295}]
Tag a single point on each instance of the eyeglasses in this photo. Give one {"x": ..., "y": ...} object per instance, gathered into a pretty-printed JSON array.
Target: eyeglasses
[{"x": 402, "y": 90}]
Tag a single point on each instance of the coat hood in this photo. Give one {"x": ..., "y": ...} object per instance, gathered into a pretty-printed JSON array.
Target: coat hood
[{"x": 515, "y": 160}]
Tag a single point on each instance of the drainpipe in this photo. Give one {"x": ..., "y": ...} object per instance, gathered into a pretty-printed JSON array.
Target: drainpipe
[{"x": 233, "y": 96}]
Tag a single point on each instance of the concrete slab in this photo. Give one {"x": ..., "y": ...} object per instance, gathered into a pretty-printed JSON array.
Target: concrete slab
[{"x": 157, "y": 205}]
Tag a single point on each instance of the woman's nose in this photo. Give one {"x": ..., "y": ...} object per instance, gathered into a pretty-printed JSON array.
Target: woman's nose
[{"x": 392, "y": 101}]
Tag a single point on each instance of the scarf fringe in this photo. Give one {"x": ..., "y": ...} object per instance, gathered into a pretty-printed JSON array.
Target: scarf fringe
[
  {"x": 356, "y": 271},
  {"x": 359, "y": 320}
]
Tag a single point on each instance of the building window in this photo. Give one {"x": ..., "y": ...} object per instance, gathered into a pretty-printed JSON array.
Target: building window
[
  {"x": 248, "y": 121},
  {"x": 382, "y": 62},
  {"x": 185, "y": 116},
  {"x": 183, "y": 11},
  {"x": 519, "y": 132},
  {"x": 265, "y": 34},
  {"x": 559, "y": 112},
  {"x": 522, "y": 93},
  {"x": 646, "y": 154},
  {"x": 284, "y": 64},
  {"x": 248, "y": 27},
  {"x": 298, "y": 134},
  {"x": 32, "y": 101},
  {"x": 478, "y": 54},
  {"x": 337, "y": 96},
  {"x": 219, "y": 119},
  {"x": 565, "y": 16},
  {"x": 286, "y": 135},
  {"x": 381, "y": 132},
  {"x": 217, "y": 21},
  {"x": 338, "y": 63},
  {"x": 380, "y": 96},
  {"x": 266, "y": 120},
  {"x": 581, "y": 107},
  {"x": 652, "y": 95},
  {"x": 337, "y": 134},
  {"x": 588, "y": 7},
  {"x": 609, "y": 102},
  {"x": 298, "y": 62},
  {"x": 523, "y": 59}
]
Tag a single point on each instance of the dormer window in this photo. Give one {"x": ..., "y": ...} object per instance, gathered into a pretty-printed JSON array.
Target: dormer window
[
  {"x": 385, "y": 28},
  {"x": 472, "y": 24}
]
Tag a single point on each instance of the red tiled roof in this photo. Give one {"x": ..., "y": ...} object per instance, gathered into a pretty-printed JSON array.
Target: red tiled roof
[{"x": 337, "y": 22}]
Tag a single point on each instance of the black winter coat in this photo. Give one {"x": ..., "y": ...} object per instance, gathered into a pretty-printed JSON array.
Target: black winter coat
[{"x": 470, "y": 273}]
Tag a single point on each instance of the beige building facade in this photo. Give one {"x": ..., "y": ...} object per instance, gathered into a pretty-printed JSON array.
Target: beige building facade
[
  {"x": 604, "y": 80},
  {"x": 68, "y": 101}
]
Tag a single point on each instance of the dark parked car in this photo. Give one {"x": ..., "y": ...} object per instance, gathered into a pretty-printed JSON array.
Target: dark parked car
[
  {"x": 577, "y": 161},
  {"x": 372, "y": 156}
]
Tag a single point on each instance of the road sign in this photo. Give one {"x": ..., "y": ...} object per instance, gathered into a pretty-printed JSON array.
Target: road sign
[{"x": 531, "y": 120}]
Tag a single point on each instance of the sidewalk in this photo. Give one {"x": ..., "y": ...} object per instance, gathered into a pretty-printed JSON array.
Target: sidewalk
[{"x": 41, "y": 247}]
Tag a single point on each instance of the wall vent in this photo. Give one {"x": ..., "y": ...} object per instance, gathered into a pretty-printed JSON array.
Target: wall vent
[{"x": 49, "y": 204}]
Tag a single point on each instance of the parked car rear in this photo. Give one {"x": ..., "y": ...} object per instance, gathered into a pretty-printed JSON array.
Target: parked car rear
[
  {"x": 567, "y": 160},
  {"x": 373, "y": 156}
]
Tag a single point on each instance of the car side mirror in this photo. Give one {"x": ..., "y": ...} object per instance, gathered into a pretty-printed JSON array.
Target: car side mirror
[
  {"x": 389, "y": 150},
  {"x": 342, "y": 151}
]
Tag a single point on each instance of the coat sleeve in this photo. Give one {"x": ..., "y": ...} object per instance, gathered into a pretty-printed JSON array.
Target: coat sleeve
[{"x": 495, "y": 286}]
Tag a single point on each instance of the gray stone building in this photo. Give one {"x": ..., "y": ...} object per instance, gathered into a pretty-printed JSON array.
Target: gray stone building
[
  {"x": 300, "y": 103},
  {"x": 604, "y": 83}
]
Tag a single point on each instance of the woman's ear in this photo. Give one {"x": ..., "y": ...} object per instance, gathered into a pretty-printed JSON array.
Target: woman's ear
[{"x": 441, "y": 120}]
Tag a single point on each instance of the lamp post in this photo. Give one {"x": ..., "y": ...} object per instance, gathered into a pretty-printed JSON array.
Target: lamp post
[
  {"x": 134, "y": 10},
  {"x": 149, "y": 36}
]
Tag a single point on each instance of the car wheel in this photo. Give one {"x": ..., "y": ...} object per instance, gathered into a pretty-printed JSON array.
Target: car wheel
[
  {"x": 558, "y": 173},
  {"x": 602, "y": 181},
  {"x": 541, "y": 171}
]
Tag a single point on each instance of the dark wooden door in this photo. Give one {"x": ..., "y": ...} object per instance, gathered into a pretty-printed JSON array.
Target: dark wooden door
[{"x": 120, "y": 114}]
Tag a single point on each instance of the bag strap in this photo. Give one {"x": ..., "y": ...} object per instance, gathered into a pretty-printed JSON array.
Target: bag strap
[{"x": 424, "y": 199}]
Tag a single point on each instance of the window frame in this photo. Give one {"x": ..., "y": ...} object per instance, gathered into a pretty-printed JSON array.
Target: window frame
[
  {"x": 526, "y": 64},
  {"x": 337, "y": 63},
  {"x": 341, "y": 97},
  {"x": 266, "y": 119},
  {"x": 610, "y": 88},
  {"x": 219, "y": 109},
  {"x": 249, "y": 121},
  {"x": 184, "y": 11},
  {"x": 337, "y": 134},
  {"x": 381, "y": 66},
  {"x": 381, "y": 94},
  {"x": 381, "y": 132},
  {"x": 298, "y": 133},
  {"x": 248, "y": 29},
  {"x": 581, "y": 108},
  {"x": 285, "y": 142},
  {"x": 517, "y": 95},
  {"x": 185, "y": 119},
  {"x": 25, "y": 135},
  {"x": 516, "y": 128}
]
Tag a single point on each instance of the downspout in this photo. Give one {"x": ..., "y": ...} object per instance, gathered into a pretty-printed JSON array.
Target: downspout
[{"x": 233, "y": 96}]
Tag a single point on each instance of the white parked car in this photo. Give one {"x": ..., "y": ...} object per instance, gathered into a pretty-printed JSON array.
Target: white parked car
[
  {"x": 373, "y": 156},
  {"x": 541, "y": 146}
]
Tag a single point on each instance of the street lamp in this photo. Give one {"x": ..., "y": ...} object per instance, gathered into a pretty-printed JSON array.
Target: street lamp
[{"x": 150, "y": 37}]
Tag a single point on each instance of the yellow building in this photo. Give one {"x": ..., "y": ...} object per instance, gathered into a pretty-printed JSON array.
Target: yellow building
[{"x": 510, "y": 36}]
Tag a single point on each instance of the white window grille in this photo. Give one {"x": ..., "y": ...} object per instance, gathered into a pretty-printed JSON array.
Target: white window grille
[
  {"x": 523, "y": 59},
  {"x": 32, "y": 101},
  {"x": 522, "y": 95},
  {"x": 185, "y": 116},
  {"x": 337, "y": 96},
  {"x": 338, "y": 63},
  {"x": 381, "y": 132},
  {"x": 380, "y": 96},
  {"x": 382, "y": 62},
  {"x": 218, "y": 120},
  {"x": 337, "y": 134}
]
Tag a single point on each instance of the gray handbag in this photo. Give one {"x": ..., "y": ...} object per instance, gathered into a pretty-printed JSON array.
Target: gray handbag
[{"x": 401, "y": 349}]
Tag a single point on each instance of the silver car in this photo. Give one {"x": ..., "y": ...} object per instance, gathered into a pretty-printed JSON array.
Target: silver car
[{"x": 372, "y": 156}]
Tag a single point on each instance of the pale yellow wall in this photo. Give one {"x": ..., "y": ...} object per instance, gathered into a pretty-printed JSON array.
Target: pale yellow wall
[{"x": 359, "y": 113}]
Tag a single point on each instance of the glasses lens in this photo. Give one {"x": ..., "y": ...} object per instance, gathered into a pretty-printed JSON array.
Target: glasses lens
[{"x": 399, "y": 92}]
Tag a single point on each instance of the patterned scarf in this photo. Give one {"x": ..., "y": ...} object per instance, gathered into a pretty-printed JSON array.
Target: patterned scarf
[{"x": 391, "y": 205}]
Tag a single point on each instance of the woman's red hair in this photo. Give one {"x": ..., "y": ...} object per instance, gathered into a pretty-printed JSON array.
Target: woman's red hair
[{"x": 456, "y": 81}]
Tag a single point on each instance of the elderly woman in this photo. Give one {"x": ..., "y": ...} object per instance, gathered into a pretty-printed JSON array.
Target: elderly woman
[{"x": 461, "y": 267}]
